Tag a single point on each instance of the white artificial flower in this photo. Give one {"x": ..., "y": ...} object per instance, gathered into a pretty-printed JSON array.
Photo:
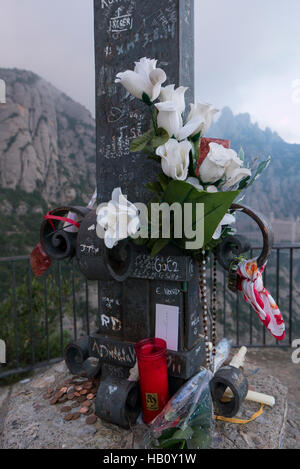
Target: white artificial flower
[
  {"x": 169, "y": 118},
  {"x": 194, "y": 182},
  {"x": 218, "y": 160},
  {"x": 119, "y": 218},
  {"x": 175, "y": 158},
  {"x": 234, "y": 176},
  {"x": 145, "y": 78},
  {"x": 211, "y": 189},
  {"x": 168, "y": 93},
  {"x": 226, "y": 220},
  {"x": 199, "y": 120}
]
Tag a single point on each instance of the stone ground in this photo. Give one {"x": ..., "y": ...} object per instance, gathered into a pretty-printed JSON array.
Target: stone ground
[{"x": 28, "y": 421}]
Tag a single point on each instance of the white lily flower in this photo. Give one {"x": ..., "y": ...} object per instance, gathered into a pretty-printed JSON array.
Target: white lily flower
[
  {"x": 218, "y": 160},
  {"x": 175, "y": 158},
  {"x": 168, "y": 93},
  {"x": 199, "y": 120},
  {"x": 226, "y": 220},
  {"x": 145, "y": 78},
  {"x": 119, "y": 218},
  {"x": 169, "y": 118},
  {"x": 195, "y": 182}
]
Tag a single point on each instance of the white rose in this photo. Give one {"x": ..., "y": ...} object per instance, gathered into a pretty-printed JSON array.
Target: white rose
[
  {"x": 234, "y": 176},
  {"x": 168, "y": 93},
  {"x": 198, "y": 120},
  {"x": 119, "y": 218},
  {"x": 175, "y": 158},
  {"x": 194, "y": 182},
  {"x": 145, "y": 78},
  {"x": 226, "y": 220},
  {"x": 169, "y": 118},
  {"x": 217, "y": 161}
]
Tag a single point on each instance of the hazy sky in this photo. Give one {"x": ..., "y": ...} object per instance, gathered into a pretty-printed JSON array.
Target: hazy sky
[{"x": 247, "y": 53}]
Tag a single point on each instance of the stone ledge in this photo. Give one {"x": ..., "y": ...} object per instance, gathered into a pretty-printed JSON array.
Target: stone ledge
[{"x": 30, "y": 422}]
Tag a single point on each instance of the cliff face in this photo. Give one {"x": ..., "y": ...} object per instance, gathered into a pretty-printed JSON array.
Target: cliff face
[
  {"x": 277, "y": 190},
  {"x": 47, "y": 141}
]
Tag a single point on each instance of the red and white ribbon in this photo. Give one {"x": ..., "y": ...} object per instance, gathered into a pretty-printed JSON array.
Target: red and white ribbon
[{"x": 251, "y": 284}]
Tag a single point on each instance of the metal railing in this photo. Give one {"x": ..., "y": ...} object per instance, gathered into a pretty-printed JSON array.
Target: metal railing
[{"x": 38, "y": 317}]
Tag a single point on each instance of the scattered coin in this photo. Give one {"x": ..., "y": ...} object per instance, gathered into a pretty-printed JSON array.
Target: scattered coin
[
  {"x": 70, "y": 396},
  {"x": 81, "y": 399},
  {"x": 91, "y": 419},
  {"x": 87, "y": 403},
  {"x": 66, "y": 408},
  {"x": 75, "y": 404},
  {"x": 64, "y": 389},
  {"x": 83, "y": 392},
  {"x": 76, "y": 415},
  {"x": 88, "y": 385},
  {"x": 68, "y": 417},
  {"x": 84, "y": 410},
  {"x": 63, "y": 399},
  {"x": 78, "y": 388},
  {"x": 77, "y": 394},
  {"x": 90, "y": 396},
  {"x": 53, "y": 401}
]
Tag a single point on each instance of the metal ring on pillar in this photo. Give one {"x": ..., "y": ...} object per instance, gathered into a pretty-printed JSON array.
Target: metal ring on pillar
[
  {"x": 118, "y": 401},
  {"x": 77, "y": 358},
  {"x": 232, "y": 378},
  {"x": 119, "y": 260},
  {"x": 57, "y": 242},
  {"x": 233, "y": 246}
]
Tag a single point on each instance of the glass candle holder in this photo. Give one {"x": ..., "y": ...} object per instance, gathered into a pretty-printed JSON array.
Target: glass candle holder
[{"x": 152, "y": 363}]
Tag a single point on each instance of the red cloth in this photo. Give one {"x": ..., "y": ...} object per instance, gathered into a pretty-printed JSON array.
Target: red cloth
[{"x": 40, "y": 261}]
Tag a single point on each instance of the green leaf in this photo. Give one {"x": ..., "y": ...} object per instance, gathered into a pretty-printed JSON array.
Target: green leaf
[
  {"x": 164, "y": 180},
  {"x": 196, "y": 137},
  {"x": 146, "y": 99},
  {"x": 216, "y": 205},
  {"x": 154, "y": 187},
  {"x": 159, "y": 245},
  {"x": 261, "y": 167},
  {"x": 243, "y": 184},
  {"x": 139, "y": 143},
  {"x": 161, "y": 138},
  {"x": 241, "y": 154}
]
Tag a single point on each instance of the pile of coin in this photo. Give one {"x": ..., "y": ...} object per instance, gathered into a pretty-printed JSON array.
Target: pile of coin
[{"x": 78, "y": 394}]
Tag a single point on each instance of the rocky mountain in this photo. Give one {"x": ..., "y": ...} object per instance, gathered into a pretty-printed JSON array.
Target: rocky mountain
[
  {"x": 277, "y": 190},
  {"x": 47, "y": 155}
]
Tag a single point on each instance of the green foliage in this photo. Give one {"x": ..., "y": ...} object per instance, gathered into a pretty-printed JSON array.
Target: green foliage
[
  {"x": 19, "y": 319},
  {"x": 160, "y": 138},
  {"x": 140, "y": 142},
  {"x": 216, "y": 204}
]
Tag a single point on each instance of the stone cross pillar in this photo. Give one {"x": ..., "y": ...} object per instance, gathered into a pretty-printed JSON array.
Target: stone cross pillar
[{"x": 125, "y": 31}]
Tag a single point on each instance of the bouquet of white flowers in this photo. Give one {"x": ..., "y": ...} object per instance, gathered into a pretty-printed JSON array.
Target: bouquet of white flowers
[{"x": 194, "y": 170}]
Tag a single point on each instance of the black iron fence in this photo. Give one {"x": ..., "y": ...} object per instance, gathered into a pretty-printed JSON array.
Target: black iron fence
[{"x": 38, "y": 317}]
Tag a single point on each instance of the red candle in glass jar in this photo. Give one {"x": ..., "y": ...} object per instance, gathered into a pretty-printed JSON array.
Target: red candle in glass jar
[{"x": 152, "y": 363}]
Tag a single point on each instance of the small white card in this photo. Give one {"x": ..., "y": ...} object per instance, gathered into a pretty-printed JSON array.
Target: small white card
[{"x": 167, "y": 324}]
